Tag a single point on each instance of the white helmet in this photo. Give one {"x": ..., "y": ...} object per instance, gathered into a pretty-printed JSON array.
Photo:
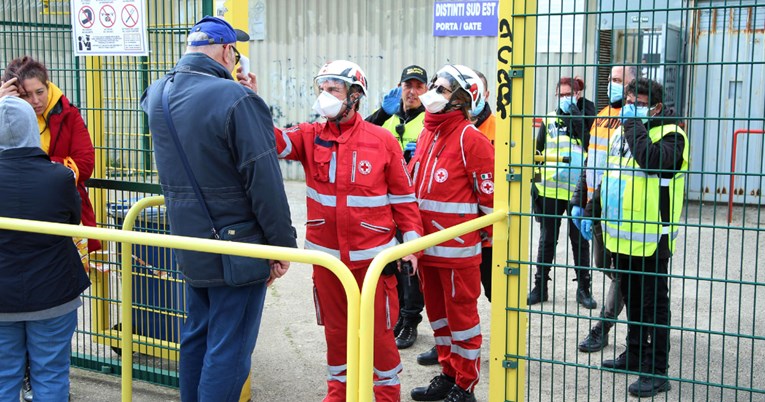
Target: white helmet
[
  {"x": 343, "y": 70},
  {"x": 465, "y": 78}
]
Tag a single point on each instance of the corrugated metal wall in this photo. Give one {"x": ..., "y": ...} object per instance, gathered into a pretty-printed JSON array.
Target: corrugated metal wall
[{"x": 383, "y": 38}]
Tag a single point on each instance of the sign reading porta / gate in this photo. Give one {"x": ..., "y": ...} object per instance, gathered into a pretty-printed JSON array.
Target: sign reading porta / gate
[
  {"x": 465, "y": 18},
  {"x": 109, "y": 28}
]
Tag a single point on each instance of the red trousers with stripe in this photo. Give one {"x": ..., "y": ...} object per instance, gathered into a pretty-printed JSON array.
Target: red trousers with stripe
[
  {"x": 332, "y": 311},
  {"x": 451, "y": 301}
]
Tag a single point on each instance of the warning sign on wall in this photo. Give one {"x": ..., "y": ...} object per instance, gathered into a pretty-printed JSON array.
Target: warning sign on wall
[{"x": 109, "y": 28}]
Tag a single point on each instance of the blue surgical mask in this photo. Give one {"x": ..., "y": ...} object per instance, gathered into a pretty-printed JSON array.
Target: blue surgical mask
[
  {"x": 478, "y": 108},
  {"x": 615, "y": 92},
  {"x": 631, "y": 110},
  {"x": 565, "y": 103}
]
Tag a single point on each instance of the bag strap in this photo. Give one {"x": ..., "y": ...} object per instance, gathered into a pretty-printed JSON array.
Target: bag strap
[{"x": 182, "y": 155}]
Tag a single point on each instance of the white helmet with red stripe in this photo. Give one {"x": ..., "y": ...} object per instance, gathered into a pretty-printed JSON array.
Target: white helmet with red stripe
[
  {"x": 465, "y": 78},
  {"x": 343, "y": 70}
]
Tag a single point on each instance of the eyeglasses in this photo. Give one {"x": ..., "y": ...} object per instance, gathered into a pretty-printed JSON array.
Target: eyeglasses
[
  {"x": 237, "y": 55},
  {"x": 440, "y": 89},
  {"x": 636, "y": 103}
]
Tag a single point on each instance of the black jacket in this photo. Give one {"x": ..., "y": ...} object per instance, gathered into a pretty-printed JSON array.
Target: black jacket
[
  {"x": 578, "y": 123},
  {"x": 37, "y": 271},
  {"x": 227, "y": 134}
]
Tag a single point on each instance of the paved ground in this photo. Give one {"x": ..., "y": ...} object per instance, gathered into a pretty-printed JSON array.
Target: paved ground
[{"x": 288, "y": 363}]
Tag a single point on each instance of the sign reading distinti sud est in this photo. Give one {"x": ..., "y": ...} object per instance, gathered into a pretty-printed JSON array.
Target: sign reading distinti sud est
[{"x": 465, "y": 18}]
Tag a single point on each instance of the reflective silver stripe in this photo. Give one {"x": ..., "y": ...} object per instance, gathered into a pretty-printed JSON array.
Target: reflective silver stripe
[
  {"x": 388, "y": 382},
  {"x": 368, "y": 254},
  {"x": 599, "y": 140},
  {"x": 409, "y": 236},
  {"x": 330, "y": 251},
  {"x": 665, "y": 182},
  {"x": 466, "y": 334},
  {"x": 438, "y": 324},
  {"x": 287, "y": 149},
  {"x": 444, "y": 340},
  {"x": 485, "y": 210},
  {"x": 390, "y": 374},
  {"x": 323, "y": 199},
  {"x": 632, "y": 236},
  {"x": 333, "y": 167},
  {"x": 353, "y": 168},
  {"x": 439, "y": 227},
  {"x": 469, "y": 354},
  {"x": 367, "y": 202},
  {"x": 448, "y": 207},
  {"x": 335, "y": 371},
  {"x": 454, "y": 252},
  {"x": 401, "y": 199}
]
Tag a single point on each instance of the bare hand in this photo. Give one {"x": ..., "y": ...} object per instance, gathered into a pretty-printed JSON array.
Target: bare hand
[
  {"x": 278, "y": 269},
  {"x": 413, "y": 260},
  {"x": 9, "y": 88},
  {"x": 249, "y": 80}
]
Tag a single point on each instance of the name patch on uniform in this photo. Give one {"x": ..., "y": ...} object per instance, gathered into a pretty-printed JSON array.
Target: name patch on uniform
[
  {"x": 487, "y": 186},
  {"x": 441, "y": 175},
  {"x": 365, "y": 167}
]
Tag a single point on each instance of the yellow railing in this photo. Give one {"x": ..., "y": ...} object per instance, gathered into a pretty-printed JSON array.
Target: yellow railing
[
  {"x": 368, "y": 289},
  {"x": 129, "y": 238}
]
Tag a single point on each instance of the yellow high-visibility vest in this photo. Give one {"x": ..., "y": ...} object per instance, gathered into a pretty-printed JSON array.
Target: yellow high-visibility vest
[
  {"x": 412, "y": 128},
  {"x": 630, "y": 199},
  {"x": 559, "y": 179}
]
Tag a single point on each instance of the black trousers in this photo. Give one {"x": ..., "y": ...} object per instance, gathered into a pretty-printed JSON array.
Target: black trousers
[
  {"x": 646, "y": 296},
  {"x": 486, "y": 271},
  {"x": 410, "y": 298},
  {"x": 548, "y": 239}
]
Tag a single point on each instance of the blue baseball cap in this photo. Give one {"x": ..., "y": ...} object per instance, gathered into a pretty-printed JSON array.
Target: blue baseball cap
[{"x": 218, "y": 31}]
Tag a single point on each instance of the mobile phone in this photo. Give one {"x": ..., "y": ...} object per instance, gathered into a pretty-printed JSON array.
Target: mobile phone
[{"x": 244, "y": 62}]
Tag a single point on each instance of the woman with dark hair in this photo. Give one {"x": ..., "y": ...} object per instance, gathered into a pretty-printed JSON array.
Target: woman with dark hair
[
  {"x": 452, "y": 169},
  {"x": 564, "y": 136},
  {"x": 63, "y": 135}
]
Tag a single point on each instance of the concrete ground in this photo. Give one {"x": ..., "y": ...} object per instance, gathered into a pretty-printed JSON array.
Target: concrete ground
[{"x": 289, "y": 365}]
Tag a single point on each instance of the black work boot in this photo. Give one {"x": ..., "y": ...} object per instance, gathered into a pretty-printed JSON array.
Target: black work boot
[
  {"x": 458, "y": 394},
  {"x": 583, "y": 295},
  {"x": 597, "y": 339},
  {"x": 398, "y": 326},
  {"x": 429, "y": 358},
  {"x": 646, "y": 386},
  {"x": 625, "y": 361},
  {"x": 539, "y": 293},
  {"x": 26, "y": 387},
  {"x": 438, "y": 389},
  {"x": 406, "y": 337}
]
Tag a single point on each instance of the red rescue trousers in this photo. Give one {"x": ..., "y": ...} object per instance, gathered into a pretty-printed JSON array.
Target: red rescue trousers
[
  {"x": 451, "y": 301},
  {"x": 332, "y": 311}
]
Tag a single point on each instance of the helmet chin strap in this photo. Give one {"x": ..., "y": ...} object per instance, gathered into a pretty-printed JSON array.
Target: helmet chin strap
[{"x": 348, "y": 106}]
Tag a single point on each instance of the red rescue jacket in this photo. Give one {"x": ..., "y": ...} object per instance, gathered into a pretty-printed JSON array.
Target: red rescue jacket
[
  {"x": 357, "y": 188},
  {"x": 453, "y": 173}
]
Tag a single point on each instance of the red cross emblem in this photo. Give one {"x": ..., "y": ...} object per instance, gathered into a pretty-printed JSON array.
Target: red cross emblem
[
  {"x": 487, "y": 186},
  {"x": 441, "y": 175},
  {"x": 365, "y": 167}
]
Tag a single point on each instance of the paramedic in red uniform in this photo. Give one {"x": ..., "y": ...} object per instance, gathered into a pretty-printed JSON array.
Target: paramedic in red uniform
[
  {"x": 358, "y": 192},
  {"x": 452, "y": 169}
]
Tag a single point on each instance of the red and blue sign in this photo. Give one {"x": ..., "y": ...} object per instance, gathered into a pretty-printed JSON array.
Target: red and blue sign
[{"x": 465, "y": 18}]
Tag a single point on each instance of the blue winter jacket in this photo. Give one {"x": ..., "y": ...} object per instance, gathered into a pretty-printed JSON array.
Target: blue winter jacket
[
  {"x": 227, "y": 134},
  {"x": 37, "y": 271}
]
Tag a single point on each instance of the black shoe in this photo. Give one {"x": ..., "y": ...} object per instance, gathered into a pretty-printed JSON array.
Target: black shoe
[
  {"x": 26, "y": 390},
  {"x": 407, "y": 337},
  {"x": 596, "y": 340},
  {"x": 538, "y": 294},
  {"x": 399, "y": 325},
  {"x": 649, "y": 386},
  {"x": 439, "y": 387},
  {"x": 429, "y": 358},
  {"x": 457, "y": 394},
  {"x": 622, "y": 363},
  {"x": 584, "y": 298}
]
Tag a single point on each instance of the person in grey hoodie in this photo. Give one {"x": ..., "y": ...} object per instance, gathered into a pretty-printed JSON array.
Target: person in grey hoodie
[{"x": 41, "y": 276}]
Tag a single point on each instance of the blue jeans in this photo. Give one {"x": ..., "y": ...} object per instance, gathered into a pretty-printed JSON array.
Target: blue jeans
[
  {"x": 217, "y": 340},
  {"x": 49, "y": 345}
]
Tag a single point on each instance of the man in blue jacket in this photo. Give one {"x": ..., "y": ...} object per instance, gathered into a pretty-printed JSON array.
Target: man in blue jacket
[{"x": 226, "y": 133}]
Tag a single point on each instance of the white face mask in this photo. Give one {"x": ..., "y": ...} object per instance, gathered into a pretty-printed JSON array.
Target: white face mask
[
  {"x": 327, "y": 105},
  {"x": 433, "y": 101}
]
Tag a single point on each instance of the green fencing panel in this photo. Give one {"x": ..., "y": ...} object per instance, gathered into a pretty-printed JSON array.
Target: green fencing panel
[
  {"x": 663, "y": 301},
  {"x": 107, "y": 91}
]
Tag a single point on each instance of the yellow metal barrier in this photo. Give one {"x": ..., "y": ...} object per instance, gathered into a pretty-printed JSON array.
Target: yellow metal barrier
[
  {"x": 368, "y": 290},
  {"x": 128, "y": 239}
]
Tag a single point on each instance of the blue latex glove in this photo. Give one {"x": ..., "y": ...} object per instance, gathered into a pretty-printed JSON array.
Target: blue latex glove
[
  {"x": 392, "y": 101},
  {"x": 627, "y": 112},
  {"x": 586, "y": 229},
  {"x": 576, "y": 215}
]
